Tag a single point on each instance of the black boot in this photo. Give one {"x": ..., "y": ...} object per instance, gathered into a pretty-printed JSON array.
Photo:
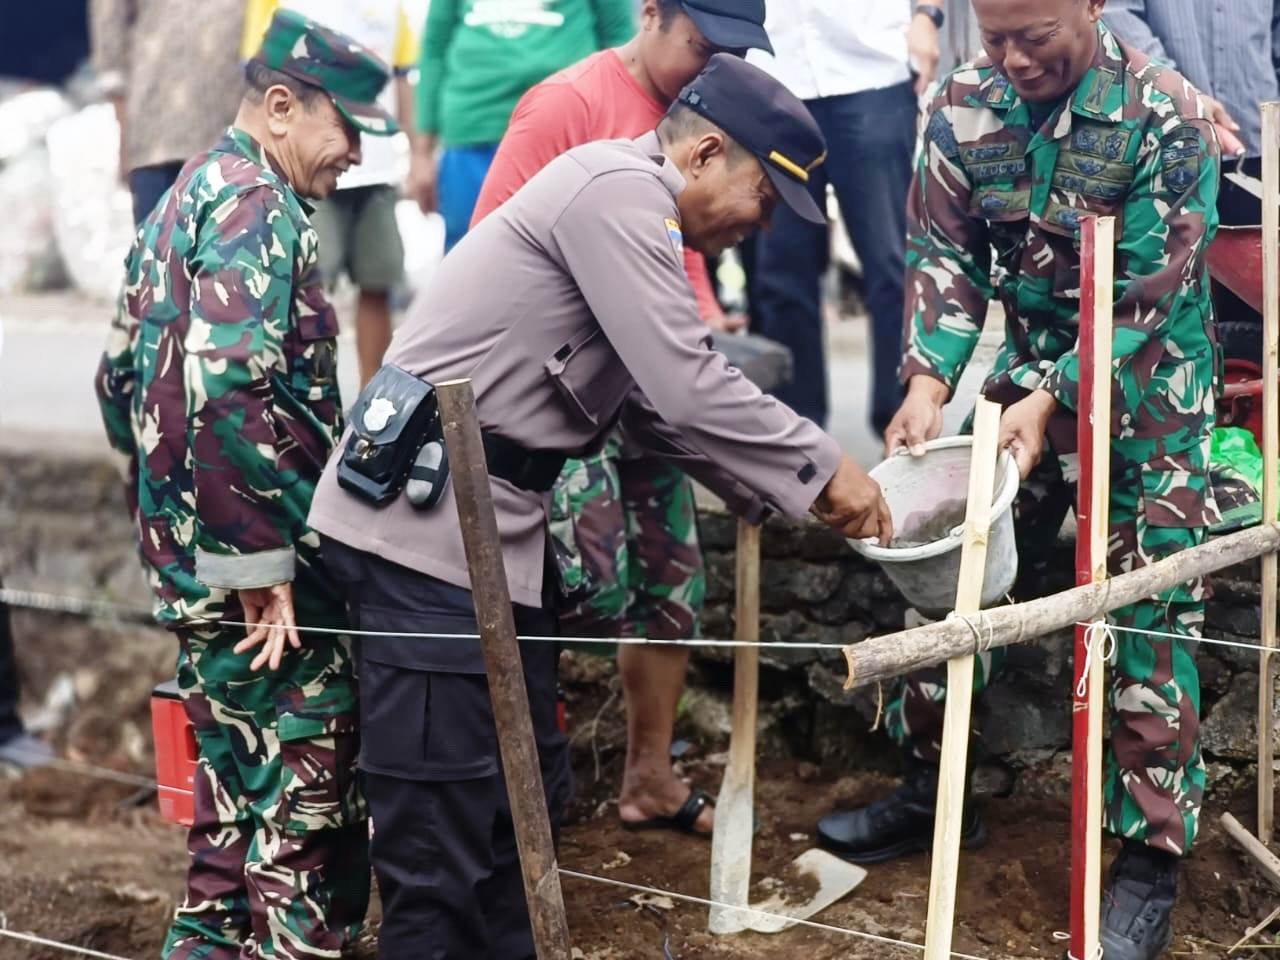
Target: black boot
[
  {"x": 896, "y": 825},
  {"x": 1138, "y": 906}
]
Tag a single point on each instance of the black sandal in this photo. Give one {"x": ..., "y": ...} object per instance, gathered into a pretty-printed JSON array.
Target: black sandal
[{"x": 684, "y": 820}]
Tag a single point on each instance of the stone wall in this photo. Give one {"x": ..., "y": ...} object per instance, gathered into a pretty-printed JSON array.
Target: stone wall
[
  {"x": 63, "y": 529},
  {"x": 815, "y": 588}
]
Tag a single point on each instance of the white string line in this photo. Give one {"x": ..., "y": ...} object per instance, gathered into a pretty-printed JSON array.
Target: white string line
[
  {"x": 101, "y": 773},
  {"x": 1182, "y": 636},
  {"x": 61, "y": 603},
  {"x": 58, "y": 945},
  {"x": 907, "y": 944},
  {"x": 622, "y": 641}
]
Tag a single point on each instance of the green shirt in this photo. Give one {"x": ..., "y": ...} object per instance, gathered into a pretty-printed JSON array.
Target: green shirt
[{"x": 480, "y": 56}]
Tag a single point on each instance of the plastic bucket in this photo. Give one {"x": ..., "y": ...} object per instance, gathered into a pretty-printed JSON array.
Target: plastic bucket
[{"x": 927, "y": 496}]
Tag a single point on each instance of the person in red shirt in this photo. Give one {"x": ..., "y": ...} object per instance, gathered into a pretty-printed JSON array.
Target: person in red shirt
[{"x": 623, "y": 523}]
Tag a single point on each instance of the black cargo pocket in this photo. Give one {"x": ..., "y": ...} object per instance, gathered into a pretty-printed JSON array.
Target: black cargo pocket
[
  {"x": 426, "y": 725},
  {"x": 316, "y": 725},
  {"x": 590, "y": 377}
]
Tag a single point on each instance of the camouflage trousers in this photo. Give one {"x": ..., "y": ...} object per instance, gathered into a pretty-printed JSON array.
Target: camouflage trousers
[
  {"x": 625, "y": 534},
  {"x": 1155, "y": 776},
  {"x": 278, "y": 851}
]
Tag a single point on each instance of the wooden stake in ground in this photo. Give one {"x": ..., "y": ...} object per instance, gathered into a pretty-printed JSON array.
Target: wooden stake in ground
[
  {"x": 735, "y": 807},
  {"x": 1267, "y": 861},
  {"x": 1093, "y": 426},
  {"x": 1270, "y": 450},
  {"x": 470, "y": 477},
  {"x": 815, "y": 879},
  {"x": 949, "y": 820}
]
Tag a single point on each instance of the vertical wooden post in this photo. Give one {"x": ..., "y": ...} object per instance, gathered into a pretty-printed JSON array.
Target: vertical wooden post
[
  {"x": 1270, "y": 453},
  {"x": 949, "y": 820},
  {"x": 735, "y": 811},
  {"x": 470, "y": 478},
  {"x": 1093, "y": 431}
]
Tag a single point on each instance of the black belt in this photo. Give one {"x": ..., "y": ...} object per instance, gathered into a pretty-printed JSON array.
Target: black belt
[{"x": 534, "y": 470}]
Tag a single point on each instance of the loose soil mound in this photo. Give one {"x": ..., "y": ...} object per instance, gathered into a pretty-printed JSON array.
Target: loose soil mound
[{"x": 89, "y": 862}]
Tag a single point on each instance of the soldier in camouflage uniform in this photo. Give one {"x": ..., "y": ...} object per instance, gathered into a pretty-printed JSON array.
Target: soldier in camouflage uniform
[
  {"x": 218, "y": 385},
  {"x": 624, "y": 529},
  {"x": 1013, "y": 154}
]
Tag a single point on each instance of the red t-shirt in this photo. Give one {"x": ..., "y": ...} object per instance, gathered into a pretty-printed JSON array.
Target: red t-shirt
[{"x": 595, "y": 99}]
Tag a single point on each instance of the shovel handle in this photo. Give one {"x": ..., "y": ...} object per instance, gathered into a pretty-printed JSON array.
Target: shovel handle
[{"x": 746, "y": 660}]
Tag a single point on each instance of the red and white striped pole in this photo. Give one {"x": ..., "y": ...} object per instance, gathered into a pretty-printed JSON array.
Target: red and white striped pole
[{"x": 1093, "y": 426}]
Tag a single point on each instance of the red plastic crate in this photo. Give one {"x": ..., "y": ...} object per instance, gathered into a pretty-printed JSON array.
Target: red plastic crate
[{"x": 175, "y": 741}]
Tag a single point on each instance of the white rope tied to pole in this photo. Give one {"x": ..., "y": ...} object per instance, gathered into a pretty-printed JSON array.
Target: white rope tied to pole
[
  {"x": 1096, "y": 637},
  {"x": 1239, "y": 644},
  {"x": 979, "y": 645},
  {"x": 702, "y": 901},
  {"x": 58, "y": 945}
]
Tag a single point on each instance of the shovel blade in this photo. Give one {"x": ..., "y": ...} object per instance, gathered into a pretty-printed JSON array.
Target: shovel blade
[
  {"x": 731, "y": 853},
  {"x": 834, "y": 877}
]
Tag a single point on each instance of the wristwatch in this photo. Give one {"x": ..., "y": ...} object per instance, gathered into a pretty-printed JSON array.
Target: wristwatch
[{"x": 933, "y": 12}]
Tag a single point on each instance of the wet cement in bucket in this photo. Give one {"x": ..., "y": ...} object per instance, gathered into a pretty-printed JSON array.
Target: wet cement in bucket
[{"x": 928, "y": 526}]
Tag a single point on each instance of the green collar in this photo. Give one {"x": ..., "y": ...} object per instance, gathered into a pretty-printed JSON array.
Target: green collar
[
  {"x": 1100, "y": 94},
  {"x": 235, "y": 140}
]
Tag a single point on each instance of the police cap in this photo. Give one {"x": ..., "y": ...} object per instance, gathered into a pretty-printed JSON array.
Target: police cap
[{"x": 765, "y": 118}]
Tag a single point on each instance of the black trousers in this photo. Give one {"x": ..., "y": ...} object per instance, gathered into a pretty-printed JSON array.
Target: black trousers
[
  {"x": 10, "y": 725},
  {"x": 871, "y": 137},
  {"x": 444, "y": 847},
  {"x": 148, "y": 184}
]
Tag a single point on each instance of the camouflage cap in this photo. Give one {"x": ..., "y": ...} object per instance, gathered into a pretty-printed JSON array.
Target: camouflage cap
[{"x": 350, "y": 73}]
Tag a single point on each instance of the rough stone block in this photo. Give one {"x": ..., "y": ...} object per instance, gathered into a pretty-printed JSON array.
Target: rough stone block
[{"x": 1230, "y": 731}]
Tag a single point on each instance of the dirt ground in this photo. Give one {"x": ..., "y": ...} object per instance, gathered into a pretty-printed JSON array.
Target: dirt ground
[{"x": 88, "y": 861}]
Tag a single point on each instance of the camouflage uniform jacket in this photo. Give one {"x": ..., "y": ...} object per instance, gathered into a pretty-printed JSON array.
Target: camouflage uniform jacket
[
  {"x": 218, "y": 382},
  {"x": 1131, "y": 142}
]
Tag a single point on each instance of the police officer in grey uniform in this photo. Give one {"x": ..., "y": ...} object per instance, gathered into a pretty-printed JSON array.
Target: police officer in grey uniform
[{"x": 569, "y": 309}]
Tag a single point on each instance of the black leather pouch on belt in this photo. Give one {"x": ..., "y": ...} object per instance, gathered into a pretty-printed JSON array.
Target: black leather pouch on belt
[{"x": 396, "y": 442}]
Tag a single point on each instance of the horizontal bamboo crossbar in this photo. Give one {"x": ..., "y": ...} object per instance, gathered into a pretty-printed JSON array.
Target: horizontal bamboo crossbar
[{"x": 895, "y": 654}]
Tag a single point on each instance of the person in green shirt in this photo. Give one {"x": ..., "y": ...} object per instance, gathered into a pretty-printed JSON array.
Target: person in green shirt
[{"x": 478, "y": 59}]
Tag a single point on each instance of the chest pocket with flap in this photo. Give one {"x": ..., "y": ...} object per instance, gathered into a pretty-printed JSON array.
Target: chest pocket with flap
[
  {"x": 1092, "y": 177},
  {"x": 589, "y": 376}
]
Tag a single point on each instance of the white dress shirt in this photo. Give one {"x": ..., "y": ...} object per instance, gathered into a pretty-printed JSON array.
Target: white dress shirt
[{"x": 828, "y": 48}]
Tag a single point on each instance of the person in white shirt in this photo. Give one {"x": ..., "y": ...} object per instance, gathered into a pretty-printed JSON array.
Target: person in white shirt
[
  {"x": 357, "y": 224},
  {"x": 859, "y": 76}
]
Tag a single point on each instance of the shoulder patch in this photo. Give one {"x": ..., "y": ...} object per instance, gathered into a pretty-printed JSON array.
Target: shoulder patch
[
  {"x": 675, "y": 235},
  {"x": 940, "y": 132},
  {"x": 1180, "y": 154}
]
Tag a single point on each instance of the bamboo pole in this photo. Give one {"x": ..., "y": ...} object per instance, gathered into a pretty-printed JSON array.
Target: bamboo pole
[
  {"x": 948, "y": 822},
  {"x": 735, "y": 809},
  {"x": 895, "y": 654},
  {"x": 1093, "y": 430},
  {"x": 1267, "y": 861},
  {"x": 510, "y": 698},
  {"x": 1270, "y": 452}
]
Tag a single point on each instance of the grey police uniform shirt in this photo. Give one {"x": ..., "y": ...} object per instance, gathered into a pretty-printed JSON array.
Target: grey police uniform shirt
[{"x": 558, "y": 306}]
